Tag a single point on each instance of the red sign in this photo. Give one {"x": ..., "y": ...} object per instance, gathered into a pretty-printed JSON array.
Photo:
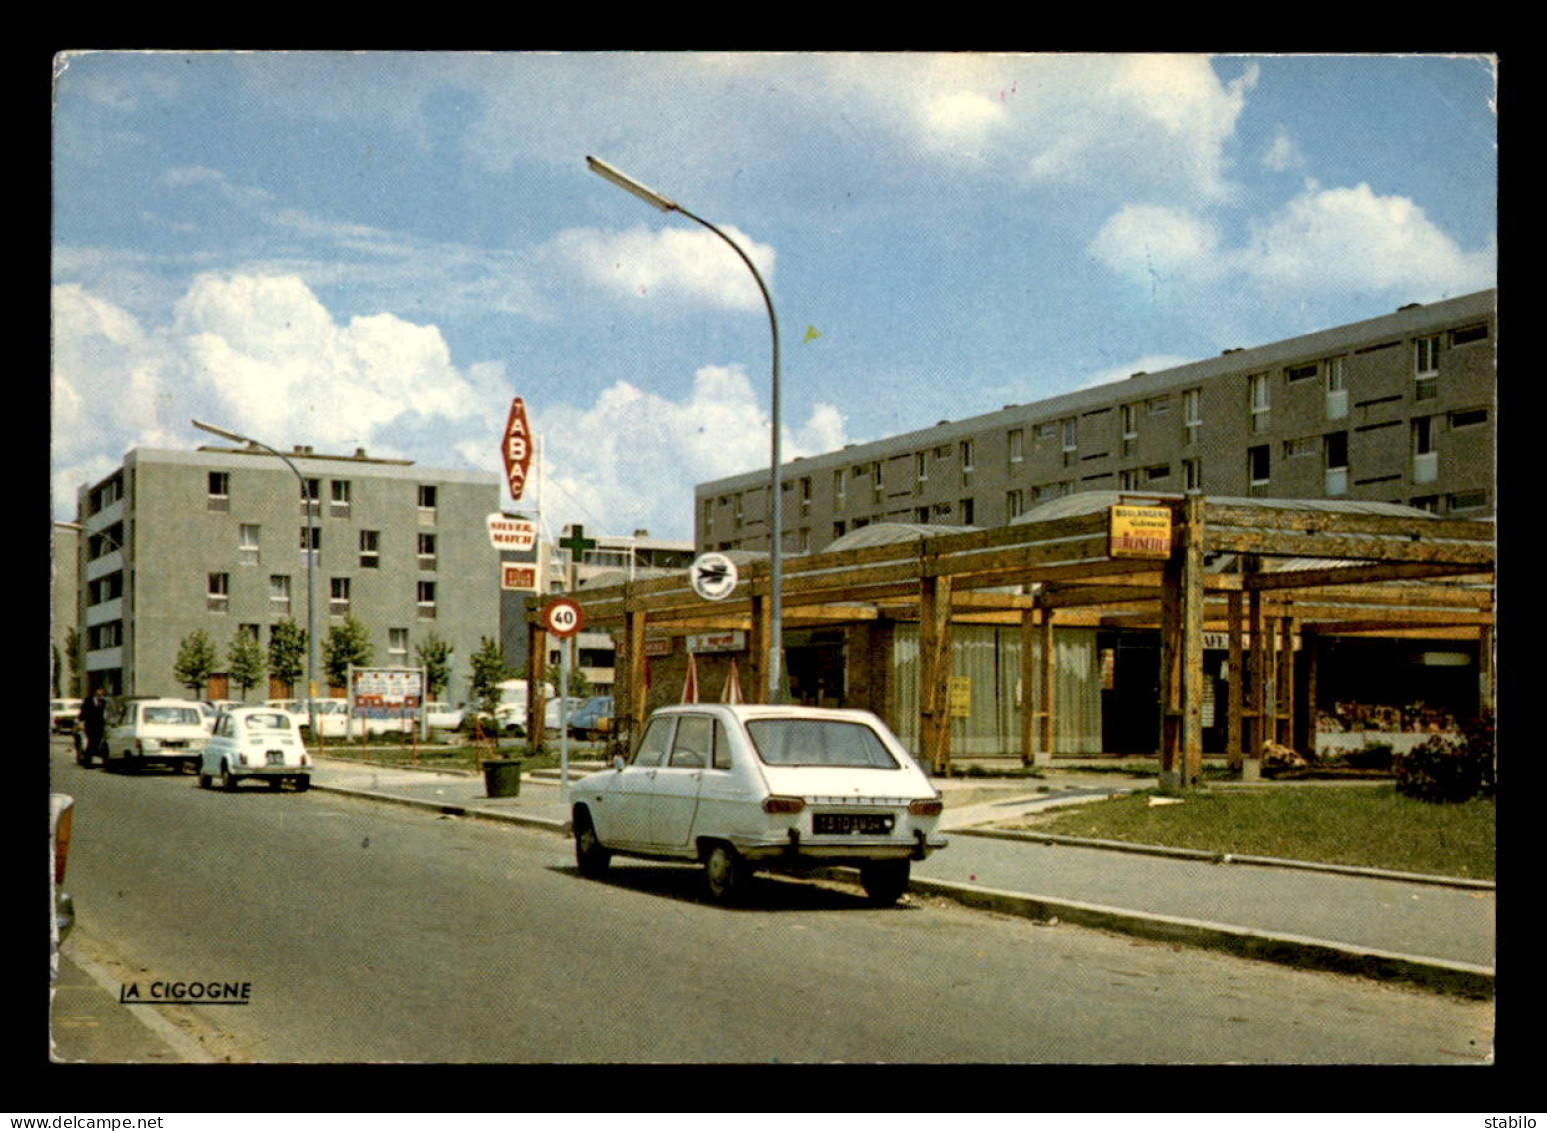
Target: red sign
[
  {"x": 518, "y": 577},
  {"x": 517, "y": 448},
  {"x": 562, "y": 617}
]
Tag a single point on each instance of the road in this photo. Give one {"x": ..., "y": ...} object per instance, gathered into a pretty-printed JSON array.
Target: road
[{"x": 371, "y": 932}]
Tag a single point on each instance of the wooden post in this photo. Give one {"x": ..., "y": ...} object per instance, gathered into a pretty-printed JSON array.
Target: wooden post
[
  {"x": 1308, "y": 707},
  {"x": 1048, "y": 718},
  {"x": 1257, "y": 713},
  {"x": 635, "y": 700},
  {"x": 1181, "y": 659},
  {"x": 536, "y": 668},
  {"x": 1485, "y": 669},
  {"x": 1028, "y": 680},
  {"x": 1284, "y": 703},
  {"x": 757, "y": 646},
  {"x": 1235, "y": 688},
  {"x": 935, "y": 672}
]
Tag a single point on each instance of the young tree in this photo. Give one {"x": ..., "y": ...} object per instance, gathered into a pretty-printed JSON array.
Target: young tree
[
  {"x": 347, "y": 645},
  {"x": 75, "y": 660},
  {"x": 287, "y": 653},
  {"x": 489, "y": 671},
  {"x": 245, "y": 661},
  {"x": 196, "y": 661},
  {"x": 434, "y": 656}
]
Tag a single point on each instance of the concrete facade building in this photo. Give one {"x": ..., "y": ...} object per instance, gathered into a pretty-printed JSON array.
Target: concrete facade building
[
  {"x": 1395, "y": 409},
  {"x": 216, "y": 539}
]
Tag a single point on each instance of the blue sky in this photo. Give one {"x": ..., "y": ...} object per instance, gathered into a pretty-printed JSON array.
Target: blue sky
[{"x": 379, "y": 250}]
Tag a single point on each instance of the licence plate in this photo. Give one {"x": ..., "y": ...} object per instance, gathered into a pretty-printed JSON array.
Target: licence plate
[
  {"x": 173, "y": 744},
  {"x": 275, "y": 757},
  {"x": 860, "y": 824}
]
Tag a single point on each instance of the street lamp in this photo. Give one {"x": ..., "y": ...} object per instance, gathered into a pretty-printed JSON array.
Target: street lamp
[
  {"x": 311, "y": 549},
  {"x": 776, "y": 550}
]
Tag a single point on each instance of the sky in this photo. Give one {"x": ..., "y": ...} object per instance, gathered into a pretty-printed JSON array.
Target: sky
[{"x": 380, "y": 250}]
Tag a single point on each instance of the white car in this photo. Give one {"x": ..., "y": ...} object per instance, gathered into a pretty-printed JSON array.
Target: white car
[
  {"x": 142, "y": 732},
  {"x": 742, "y": 788},
  {"x": 209, "y": 713},
  {"x": 256, "y": 742},
  {"x": 442, "y": 716},
  {"x": 62, "y": 714}
]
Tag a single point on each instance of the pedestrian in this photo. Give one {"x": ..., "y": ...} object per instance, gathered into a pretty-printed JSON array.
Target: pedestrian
[{"x": 93, "y": 722}]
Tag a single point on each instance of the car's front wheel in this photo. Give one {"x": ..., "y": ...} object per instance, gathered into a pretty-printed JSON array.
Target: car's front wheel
[
  {"x": 227, "y": 778},
  {"x": 884, "y": 881},
  {"x": 591, "y": 856},
  {"x": 725, "y": 873}
]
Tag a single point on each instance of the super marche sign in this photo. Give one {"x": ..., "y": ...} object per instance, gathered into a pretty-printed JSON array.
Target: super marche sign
[{"x": 506, "y": 533}]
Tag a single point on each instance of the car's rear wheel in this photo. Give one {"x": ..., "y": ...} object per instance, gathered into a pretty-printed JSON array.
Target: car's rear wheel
[
  {"x": 205, "y": 781},
  {"x": 591, "y": 856},
  {"x": 725, "y": 873},
  {"x": 884, "y": 881},
  {"x": 303, "y": 783},
  {"x": 227, "y": 778}
]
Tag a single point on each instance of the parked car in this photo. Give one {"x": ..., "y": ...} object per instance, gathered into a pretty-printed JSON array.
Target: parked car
[
  {"x": 508, "y": 718},
  {"x": 593, "y": 718},
  {"x": 61, "y": 813},
  {"x": 742, "y": 788},
  {"x": 554, "y": 709},
  {"x": 209, "y": 712},
  {"x": 142, "y": 732},
  {"x": 62, "y": 714},
  {"x": 256, "y": 742},
  {"x": 295, "y": 708},
  {"x": 442, "y": 716}
]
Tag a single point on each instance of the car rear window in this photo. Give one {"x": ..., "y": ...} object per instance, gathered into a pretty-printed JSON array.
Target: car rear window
[
  {"x": 819, "y": 742},
  {"x": 180, "y": 716},
  {"x": 274, "y": 721}
]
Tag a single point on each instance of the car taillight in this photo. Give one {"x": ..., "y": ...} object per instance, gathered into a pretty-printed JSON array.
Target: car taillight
[
  {"x": 931, "y": 808},
  {"x": 783, "y": 805}
]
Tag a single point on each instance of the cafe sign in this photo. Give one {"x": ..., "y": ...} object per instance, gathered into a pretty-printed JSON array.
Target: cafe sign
[{"x": 1139, "y": 532}]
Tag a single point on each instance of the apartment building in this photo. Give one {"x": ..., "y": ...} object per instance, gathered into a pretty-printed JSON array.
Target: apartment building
[
  {"x": 219, "y": 539},
  {"x": 1398, "y": 409}
]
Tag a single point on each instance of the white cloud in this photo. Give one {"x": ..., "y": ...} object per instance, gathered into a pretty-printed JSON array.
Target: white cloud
[
  {"x": 1321, "y": 242},
  {"x": 262, "y": 355},
  {"x": 668, "y": 264},
  {"x": 1282, "y": 154},
  {"x": 631, "y": 460}
]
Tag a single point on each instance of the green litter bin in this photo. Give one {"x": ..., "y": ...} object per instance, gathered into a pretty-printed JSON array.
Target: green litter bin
[{"x": 502, "y": 777}]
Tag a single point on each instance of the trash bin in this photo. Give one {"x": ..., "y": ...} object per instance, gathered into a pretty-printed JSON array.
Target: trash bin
[{"x": 502, "y": 777}]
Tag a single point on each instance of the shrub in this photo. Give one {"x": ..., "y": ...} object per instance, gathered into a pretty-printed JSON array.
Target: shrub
[{"x": 1449, "y": 770}]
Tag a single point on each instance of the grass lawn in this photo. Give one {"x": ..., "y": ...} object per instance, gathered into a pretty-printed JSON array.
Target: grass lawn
[{"x": 1368, "y": 826}]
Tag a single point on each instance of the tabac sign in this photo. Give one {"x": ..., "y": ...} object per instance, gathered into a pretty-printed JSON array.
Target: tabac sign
[
  {"x": 1139, "y": 532},
  {"x": 517, "y": 448}
]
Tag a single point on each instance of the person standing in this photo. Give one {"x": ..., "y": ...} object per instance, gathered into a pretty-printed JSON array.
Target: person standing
[{"x": 93, "y": 720}]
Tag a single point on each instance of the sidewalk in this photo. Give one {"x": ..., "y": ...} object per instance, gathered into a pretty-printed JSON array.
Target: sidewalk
[{"x": 1423, "y": 930}]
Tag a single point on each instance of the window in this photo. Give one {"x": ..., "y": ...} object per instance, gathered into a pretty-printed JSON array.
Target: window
[
  {"x": 427, "y": 503},
  {"x": 1192, "y": 471},
  {"x": 1070, "y": 434},
  {"x": 1017, "y": 440},
  {"x": 397, "y": 645},
  {"x": 1257, "y": 465},
  {"x": 338, "y": 597},
  {"x": 1257, "y": 385},
  {"x": 279, "y": 595},
  {"x": 966, "y": 461},
  {"x": 311, "y": 491},
  {"x": 840, "y": 483},
  {"x": 1467, "y": 501},
  {"x": 1294, "y": 373},
  {"x": 1426, "y": 459},
  {"x": 1304, "y": 446},
  {"x": 1468, "y": 418},
  {"x": 219, "y": 599},
  {"x": 1158, "y": 472},
  {"x": 370, "y": 549},
  {"x": 247, "y": 539},
  {"x": 425, "y": 597},
  {"x": 1335, "y": 448},
  {"x": 967, "y": 513},
  {"x": 1130, "y": 428},
  {"x": 1012, "y": 504},
  {"x": 1158, "y": 405},
  {"x": 338, "y": 505},
  {"x": 426, "y": 551},
  {"x": 1192, "y": 414},
  {"x": 311, "y": 537},
  {"x": 219, "y": 491},
  {"x": 1426, "y": 369},
  {"x": 1337, "y": 390},
  {"x": 1462, "y": 335}
]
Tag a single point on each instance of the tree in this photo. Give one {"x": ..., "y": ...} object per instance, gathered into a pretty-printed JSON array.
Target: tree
[
  {"x": 196, "y": 661},
  {"x": 347, "y": 645},
  {"x": 287, "y": 653},
  {"x": 489, "y": 671},
  {"x": 245, "y": 661},
  {"x": 75, "y": 660},
  {"x": 434, "y": 656},
  {"x": 579, "y": 686}
]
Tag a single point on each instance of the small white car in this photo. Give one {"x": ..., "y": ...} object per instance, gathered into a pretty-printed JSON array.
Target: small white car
[
  {"x": 744, "y": 788},
  {"x": 143, "y": 732},
  {"x": 442, "y": 716},
  {"x": 62, "y": 714},
  {"x": 256, "y": 742}
]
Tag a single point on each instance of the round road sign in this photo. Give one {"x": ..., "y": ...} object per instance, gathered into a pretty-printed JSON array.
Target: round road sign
[
  {"x": 713, "y": 576},
  {"x": 562, "y": 617}
]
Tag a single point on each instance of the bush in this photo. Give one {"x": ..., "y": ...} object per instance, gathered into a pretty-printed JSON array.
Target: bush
[{"x": 1450, "y": 770}]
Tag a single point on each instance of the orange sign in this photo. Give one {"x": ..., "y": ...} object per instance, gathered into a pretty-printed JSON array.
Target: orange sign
[{"x": 517, "y": 448}]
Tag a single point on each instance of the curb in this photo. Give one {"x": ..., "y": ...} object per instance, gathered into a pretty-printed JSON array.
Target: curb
[
  {"x": 1209, "y": 857},
  {"x": 450, "y": 809},
  {"x": 1460, "y": 978},
  {"x": 1292, "y": 950}
]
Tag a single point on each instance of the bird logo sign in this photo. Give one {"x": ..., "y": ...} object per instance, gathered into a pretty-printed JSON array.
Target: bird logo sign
[{"x": 713, "y": 576}]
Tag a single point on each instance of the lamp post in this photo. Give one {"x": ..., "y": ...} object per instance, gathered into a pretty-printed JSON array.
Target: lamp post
[
  {"x": 311, "y": 544},
  {"x": 776, "y": 504}
]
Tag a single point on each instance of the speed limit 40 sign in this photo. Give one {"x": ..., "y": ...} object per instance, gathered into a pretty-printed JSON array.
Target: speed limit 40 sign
[{"x": 562, "y": 617}]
